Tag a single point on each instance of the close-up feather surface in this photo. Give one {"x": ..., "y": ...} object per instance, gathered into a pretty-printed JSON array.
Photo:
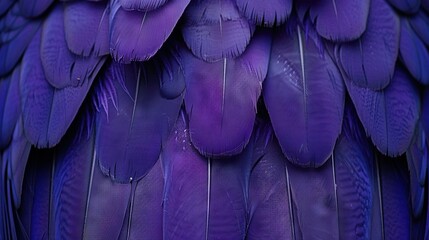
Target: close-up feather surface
[{"x": 214, "y": 119}]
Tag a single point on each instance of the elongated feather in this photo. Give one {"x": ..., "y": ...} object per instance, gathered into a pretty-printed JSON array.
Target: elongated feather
[
  {"x": 215, "y": 29},
  {"x": 34, "y": 211},
  {"x": 4, "y": 88},
  {"x": 104, "y": 194},
  {"x": 142, "y": 5},
  {"x": 353, "y": 174},
  {"x": 390, "y": 115},
  {"x": 19, "y": 153},
  {"x": 406, "y": 6},
  {"x": 186, "y": 180},
  {"x": 417, "y": 160},
  {"x": 264, "y": 14},
  {"x": 313, "y": 201},
  {"x": 29, "y": 8},
  {"x": 47, "y": 112},
  {"x": 221, "y": 97},
  {"x": 337, "y": 20},
  {"x": 11, "y": 109},
  {"x": 425, "y": 111},
  {"x": 420, "y": 23},
  {"x": 71, "y": 184},
  {"x": 210, "y": 199},
  {"x": 146, "y": 220},
  {"x": 132, "y": 131},
  {"x": 86, "y": 27},
  {"x": 413, "y": 53},
  {"x": 370, "y": 60},
  {"x": 61, "y": 67},
  {"x": 304, "y": 95},
  {"x": 270, "y": 212},
  {"x": 17, "y": 33},
  {"x": 396, "y": 210},
  {"x": 139, "y": 35}
]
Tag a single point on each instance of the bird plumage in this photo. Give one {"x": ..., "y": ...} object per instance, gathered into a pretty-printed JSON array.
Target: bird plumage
[{"x": 214, "y": 119}]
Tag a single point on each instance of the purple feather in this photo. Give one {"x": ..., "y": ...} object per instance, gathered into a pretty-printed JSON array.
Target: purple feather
[
  {"x": 137, "y": 36},
  {"x": 406, "y": 6},
  {"x": 30, "y": 8},
  {"x": 146, "y": 220},
  {"x": 274, "y": 13},
  {"x": 314, "y": 203},
  {"x": 270, "y": 207},
  {"x": 370, "y": 61},
  {"x": 304, "y": 96},
  {"x": 221, "y": 97},
  {"x": 136, "y": 123},
  {"x": 417, "y": 160},
  {"x": 215, "y": 29},
  {"x": 11, "y": 109},
  {"x": 340, "y": 21},
  {"x": 17, "y": 33},
  {"x": 47, "y": 112},
  {"x": 171, "y": 79},
  {"x": 4, "y": 88},
  {"x": 107, "y": 203},
  {"x": 420, "y": 25},
  {"x": 395, "y": 198},
  {"x": 61, "y": 67},
  {"x": 353, "y": 173},
  {"x": 185, "y": 193},
  {"x": 425, "y": 111},
  {"x": 389, "y": 115},
  {"x": 19, "y": 153},
  {"x": 142, "y": 5},
  {"x": 71, "y": 183},
  {"x": 86, "y": 26},
  {"x": 413, "y": 53},
  {"x": 5, "y": 5}
]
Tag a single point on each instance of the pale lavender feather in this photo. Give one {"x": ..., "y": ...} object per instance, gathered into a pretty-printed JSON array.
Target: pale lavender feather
[{"x": 274, "y": 13}]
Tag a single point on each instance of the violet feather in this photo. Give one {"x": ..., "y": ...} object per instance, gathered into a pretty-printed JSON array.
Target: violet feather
[
  {"x": 304, "y": 96},
  {"x": 370, "y": 60},
  {"x": 221, "y": 97}
]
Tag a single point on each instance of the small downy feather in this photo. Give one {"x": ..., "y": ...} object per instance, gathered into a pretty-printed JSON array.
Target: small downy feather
[
  {"x": 304, "y": 96},
  {"x": 137, "y": 36},
  {"x": 17, "y": 33},
  {"x": 136, "y": 123},
  {"x": 370, "y": 61},
  {"x": 142, "y": 5},
  {"x": 31, "y": 9},
  {"x": 47, "y": 112},
  {"x": 389, "y": 115},
  {"x": 221, "y": 97},
  {"x": 413, "y": 53},
  {"x": 264, "y": 14},
  {"x": 215, "y": 29},
  {"x": 62, "y": 68},
  {"x": 338, "y": 21},
  {"x": 11, "y": 109},
  {"x": 86, "y": 26}
]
